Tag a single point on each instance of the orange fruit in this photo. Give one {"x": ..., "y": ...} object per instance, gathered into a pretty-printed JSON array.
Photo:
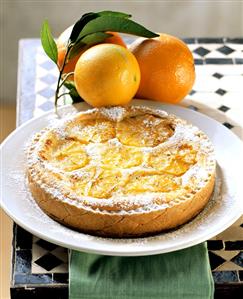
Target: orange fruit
[
  {"x": 167, "y": 68},
  {"x": 62, "y": 48},
  {"x": 115, "y": 39},
  {"x": 107, "y": 75}
]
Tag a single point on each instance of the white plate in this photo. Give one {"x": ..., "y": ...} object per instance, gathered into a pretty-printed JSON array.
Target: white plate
[{"x": 223, "y": 209}]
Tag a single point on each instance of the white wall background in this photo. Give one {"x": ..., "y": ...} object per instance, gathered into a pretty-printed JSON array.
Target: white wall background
[{"x": 23, "y": 18}]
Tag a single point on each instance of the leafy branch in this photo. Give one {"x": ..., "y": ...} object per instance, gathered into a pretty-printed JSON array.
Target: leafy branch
[{"x": 90, "y": 29}]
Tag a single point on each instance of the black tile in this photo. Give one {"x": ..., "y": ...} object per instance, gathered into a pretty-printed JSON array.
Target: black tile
[
  {"x": 219, "y": 61},
  {"x": 48, "y": 261},
  {"x": 215, "y": 260},
  {"x": 225, "y": 50},
  {"x": 192, "y": 92},
  {"x": 33, "y": 279},
  {"x": 229, "y": 126},
  {"x": 198, "y": 61},
  {"x": 238, "y": 60},
  {"x": 241, "y": 275},
  {"x": 210, "y": 40},
  {"x": 215, "y": 244},
  {"x": 23, "y": 261},
  {"x": 60, "y": 277},
  {"x": 220, "y": 91},
  {"x": 192, "y": 107},
  {"x": 40, "y": 292},
  {"x": 190, "y": 40},
  {"x": 238, "y": 40},
  {"x": 217, "y": 75},
  {"x": 233, "y": 245},
  {"x": 224, "y": 108},
  {"x": 238, "y": 259},
  {"x": 201, "y": 51},
  {"x": 23, "y": 238},
  {"x": 46, "y": 245},
  {"x": 225, "y": 276}
]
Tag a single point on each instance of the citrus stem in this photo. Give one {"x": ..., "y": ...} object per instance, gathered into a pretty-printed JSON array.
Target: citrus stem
[
  {"x": 65, "y": 78},
  {"x": 59, "y": 83},
  {"x": 63, "y": 94}
]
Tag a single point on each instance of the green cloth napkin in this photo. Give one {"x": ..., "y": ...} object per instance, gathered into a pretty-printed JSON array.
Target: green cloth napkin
[{"x": 182, "y": 274}]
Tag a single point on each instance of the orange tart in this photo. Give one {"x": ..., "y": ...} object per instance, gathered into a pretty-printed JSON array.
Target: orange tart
[{"x": 121, "y": 172}]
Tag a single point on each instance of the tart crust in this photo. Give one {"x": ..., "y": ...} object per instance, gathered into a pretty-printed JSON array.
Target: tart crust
[{"x": 121, "y": 172}]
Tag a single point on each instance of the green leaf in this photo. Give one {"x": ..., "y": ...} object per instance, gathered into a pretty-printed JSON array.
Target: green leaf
[
  {"x": 76, "y": 48},
  {"x": 73, "y": 92},
  {"x": 69, "y": 85},
  {"x": 114, "y": 14},
  {"x": 79, "y": 25},
  {"x": 117, "y": 24},
  {"x": 87, "y": 41},
  {"x": 75, "y": 97},
  {"x": 48, "y": 42},
  {"x": 95, "y": 38}
]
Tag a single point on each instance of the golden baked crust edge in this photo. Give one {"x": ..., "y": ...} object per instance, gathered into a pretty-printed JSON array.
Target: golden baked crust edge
[{"x": 119, "y": 225}]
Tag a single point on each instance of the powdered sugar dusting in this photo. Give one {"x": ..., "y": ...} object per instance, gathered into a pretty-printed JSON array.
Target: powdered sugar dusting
[
  {"x": 114, "y": 113},
  {"x": 183, "y": 134}
]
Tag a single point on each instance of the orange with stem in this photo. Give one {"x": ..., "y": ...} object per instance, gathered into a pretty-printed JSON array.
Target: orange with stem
[{"x": 71, "y": 63}]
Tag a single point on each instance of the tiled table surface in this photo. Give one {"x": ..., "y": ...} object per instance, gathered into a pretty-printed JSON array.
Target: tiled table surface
[{"x": 39, "y": 267}]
